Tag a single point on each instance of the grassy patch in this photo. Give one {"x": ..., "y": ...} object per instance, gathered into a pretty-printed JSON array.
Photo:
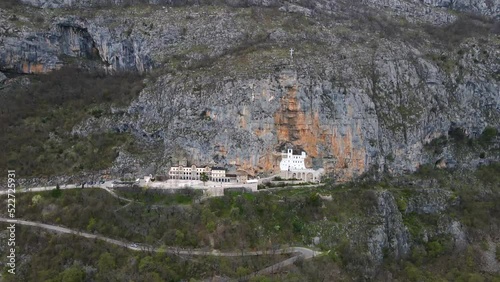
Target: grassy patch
[{"x": 160, "y": 197}]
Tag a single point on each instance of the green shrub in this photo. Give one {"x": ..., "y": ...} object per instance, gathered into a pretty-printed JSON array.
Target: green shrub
[
  {"x": 402, "y": 204},
  {"x": 434, "y": 249},
  {"x": 73, "y": 274},
  {"x": 413, "y": 273},
  {"x": 334, "y": 256},
  {"x": 413, "y": 224},
  {"x": 314, "y": 200},
  {"x": 488, "y": 134},
  {"x": 489, "y": 173},
  {"x": 56, "y": 193},
  {"x": 96, "y": 112},
  {"x": 418, "y": 254},
  {"x": 297, "y": 226},
  {"x": 390, "y": 157},
  {"x": 475, "y": 277},
  {"x": 36, "y": 199}
]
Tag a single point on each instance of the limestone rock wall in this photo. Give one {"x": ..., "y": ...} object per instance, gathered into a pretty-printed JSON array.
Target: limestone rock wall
[
  {"x": 389, "y": 232},
  {"x": 230, "y": 95},
  {"x": 32, "y": 51},
  {"x": 104, "y": 3},
  {"x": 247, "y": 124},
  {"x": 486, "y": 7},
  {"x": 489, "y": 8}
]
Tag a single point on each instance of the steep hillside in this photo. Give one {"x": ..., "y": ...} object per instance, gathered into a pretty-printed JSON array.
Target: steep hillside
[{"x": 432, "y": 225}]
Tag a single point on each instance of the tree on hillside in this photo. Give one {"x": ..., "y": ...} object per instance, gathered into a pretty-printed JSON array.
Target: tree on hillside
[
  {"x": 36, "y": 199},
  {"x": 56, "y": 193},
  {"x": 204, "y": 178}
]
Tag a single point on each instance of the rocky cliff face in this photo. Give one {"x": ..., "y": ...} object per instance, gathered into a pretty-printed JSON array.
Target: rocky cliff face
[
  {"x": 246, "y": 123},
  {"x": 353, "y": 99},
  {"x": 485, "y": 7},
  {"x": 101, "y": 3},
  {"x": 71, "y": 37},
  {"x": 402, "y": 225},
  {"x": 386, "y": 226},
  {"x": 390, "y": 233}
]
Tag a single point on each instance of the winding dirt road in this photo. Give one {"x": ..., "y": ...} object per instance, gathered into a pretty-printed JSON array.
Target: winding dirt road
[{"x": 300, "y": 252}]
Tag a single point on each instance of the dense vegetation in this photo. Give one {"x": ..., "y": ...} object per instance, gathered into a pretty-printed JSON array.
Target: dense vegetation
[
  {"x": 160, "y": 197},
  {"x": 295, "y": 216},
  {"x": 37, "y": 114},
  {"x": 87, "y": 260}
]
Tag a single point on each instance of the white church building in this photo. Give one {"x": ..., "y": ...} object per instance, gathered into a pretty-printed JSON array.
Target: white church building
[
  {"x": 293, "y": 167},
  {"x": 289, "y": 161}
]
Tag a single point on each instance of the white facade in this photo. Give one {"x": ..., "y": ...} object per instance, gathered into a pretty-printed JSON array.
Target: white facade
[
  {"x": 194, "y": 173},
  {"x": 187, "y": 173},
  {"x": 293, "y": 167},
  {"x": 218, "y": 173},
  {"x": 290, "y": 162}
]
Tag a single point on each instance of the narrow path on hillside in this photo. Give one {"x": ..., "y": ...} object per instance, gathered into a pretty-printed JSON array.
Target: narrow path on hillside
[
  {"x": 103, "y": 186},
  {"x": 301, "y": 252}
]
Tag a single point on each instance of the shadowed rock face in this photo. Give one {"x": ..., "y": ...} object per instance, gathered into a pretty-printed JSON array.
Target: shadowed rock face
[
  {"x": 72, "y": 37},
  {"x": 37, "y": 55},
  {"x": 76, "y": 41}
]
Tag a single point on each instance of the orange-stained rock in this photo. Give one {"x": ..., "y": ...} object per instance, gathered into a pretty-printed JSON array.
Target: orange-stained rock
[
  {"x": 295, "y": 126},
  {"x": 33, "y": 68},
  {"x": 304, "y": 130}
]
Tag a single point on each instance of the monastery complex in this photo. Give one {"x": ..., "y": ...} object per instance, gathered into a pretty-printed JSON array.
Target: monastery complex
[{"x": 291, "y": 167}]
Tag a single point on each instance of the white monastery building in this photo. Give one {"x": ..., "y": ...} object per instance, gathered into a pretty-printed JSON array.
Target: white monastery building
[
  {"x": 194, "y": 173},
  {"x": 289, "y": 161},
  {"x": 293, "y": 166},
  {"x": 214, "y": 174}
]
